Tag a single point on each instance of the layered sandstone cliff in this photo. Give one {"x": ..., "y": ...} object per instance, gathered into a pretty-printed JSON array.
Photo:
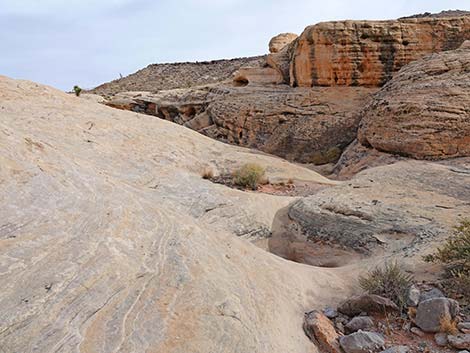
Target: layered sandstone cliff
[
  {"x": 424, "y": 111},
  {"x": 367, "y": 53}
]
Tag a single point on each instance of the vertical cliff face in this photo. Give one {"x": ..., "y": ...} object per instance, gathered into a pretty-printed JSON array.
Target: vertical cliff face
[{"x": 367, "y": 53}]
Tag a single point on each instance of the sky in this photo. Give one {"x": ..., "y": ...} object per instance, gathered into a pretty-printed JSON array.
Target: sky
[{"x": 64, "y": 43}]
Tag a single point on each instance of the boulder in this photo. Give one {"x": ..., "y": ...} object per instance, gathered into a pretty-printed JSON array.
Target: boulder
[
  {"x": 362, "y": 342},
  {"x": 369, "y": 303},
  {"x": 460, "y": 341},
  {"x": 364, "y": 323},
  {"x": 430, "y": 313},
  {"x": 369, "y": 52},
  {"x": 321, "y": 330},
  {"x": 277, "y": 43},
  {"x": 423, "y": 111}
]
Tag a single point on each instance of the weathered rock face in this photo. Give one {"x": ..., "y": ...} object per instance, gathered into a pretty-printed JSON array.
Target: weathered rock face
[
  {"x": 369, "y": 52},
  {"x": 305, "y": 125},
  {"x": 424, "y": 111},
  {"x": 430, "y": 313},
  {"x": 404, "y": 208},
  {"x": 277, "y": 43}
]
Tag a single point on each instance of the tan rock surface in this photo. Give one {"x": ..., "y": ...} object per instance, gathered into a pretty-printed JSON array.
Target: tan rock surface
[
  {"x": 424, "y": 111},
  {"x": 369, "y": 52},
  {"x": 110, "y": 240},
  {"x": 401, "y": 211},
  {"x": 277, "y": 43}
]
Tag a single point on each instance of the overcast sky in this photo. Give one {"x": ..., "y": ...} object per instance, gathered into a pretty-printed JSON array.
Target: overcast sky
[{"x": 88, "y": 42}]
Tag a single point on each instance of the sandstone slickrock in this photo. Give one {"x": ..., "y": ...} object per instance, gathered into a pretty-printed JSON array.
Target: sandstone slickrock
[
  {"x": 406, "y": 208},
  {"x": 369, "y": 52},
  {"x": 110, "y": 240},
  {"x": 430, "y": 313},
  {"x": 321, "y": 330},
  {"x": 305, "y": 125},
  {"x": 424, "y": 111},
  {"x": 369, "y": 303},
  {"x": 362, "y": 342},
  {"x": 277, "y": 43}
]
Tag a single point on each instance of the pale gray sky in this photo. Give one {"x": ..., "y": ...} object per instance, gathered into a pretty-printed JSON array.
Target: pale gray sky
[{"x": 88, "y": 42}]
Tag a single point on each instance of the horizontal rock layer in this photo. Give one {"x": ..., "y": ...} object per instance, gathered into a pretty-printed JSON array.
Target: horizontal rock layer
[
  {"x": 424, "y": 111},
  {"x": 305, "y": 125},
  {"x": 367, "y": 53}
]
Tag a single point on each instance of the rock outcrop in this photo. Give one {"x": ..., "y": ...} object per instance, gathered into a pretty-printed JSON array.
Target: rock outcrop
[
  {"x": 424, "y": 111},
  {"x": 406, "y": 208},
  {"x": 279, "y": 42},
  {"x": 305, "y": 125},
  {"x": 367, "y": 53},
  {"x": 110, "y": 240}
]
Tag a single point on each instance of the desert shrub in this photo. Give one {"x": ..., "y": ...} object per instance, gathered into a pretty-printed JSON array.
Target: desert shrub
[
  {"x": 77, "y": 90},
  {"x": 250, "y": 175},
  {"x": 455, "y": 256},
  {"x": 388, "y": 281},
  {"x": 448, "y": 325},
  {"x": 207, "y": 173}
]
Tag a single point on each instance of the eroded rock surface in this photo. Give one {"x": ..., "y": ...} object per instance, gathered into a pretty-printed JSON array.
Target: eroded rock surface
[
  {"x": 369, "y": 52},
  {"x": 277, "y": 43},
  {"x": 305, "y": 125},
  {"x": 403, "y": 208},
  {"x": 424, "y": 111},
  {"x": 110, "y": 240}
]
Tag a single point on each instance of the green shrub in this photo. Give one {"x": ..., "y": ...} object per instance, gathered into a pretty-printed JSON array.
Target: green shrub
[
  {"x": 249, "y": 175},
  {"x": 455, "y": 256},
  {"x": 388, "y": 281},
  {"x": 77, "y": 90}
]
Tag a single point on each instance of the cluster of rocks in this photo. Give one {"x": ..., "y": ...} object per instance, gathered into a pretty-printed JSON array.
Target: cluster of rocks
[{"x": 358, "y": 324}]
